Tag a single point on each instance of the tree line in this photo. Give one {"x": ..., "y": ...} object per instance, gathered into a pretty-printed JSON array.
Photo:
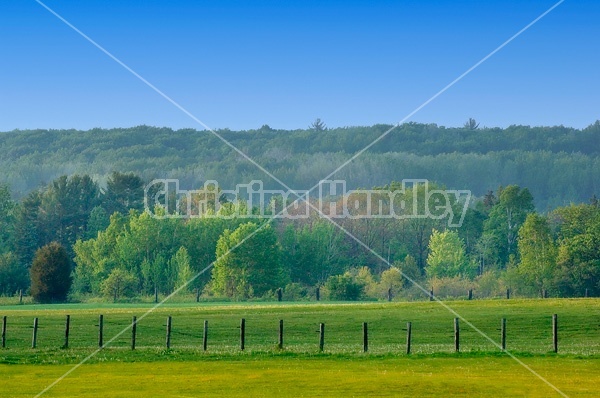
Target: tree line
[
  {"x": 85, "y": 240},
  {"x": 559, "y": 165}
]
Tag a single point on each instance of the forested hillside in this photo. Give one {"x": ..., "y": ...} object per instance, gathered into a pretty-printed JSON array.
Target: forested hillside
[{"x": 559, "y": 165}]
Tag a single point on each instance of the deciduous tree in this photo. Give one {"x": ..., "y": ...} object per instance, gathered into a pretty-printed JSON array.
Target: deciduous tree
[{"x": 50, "y": 274}]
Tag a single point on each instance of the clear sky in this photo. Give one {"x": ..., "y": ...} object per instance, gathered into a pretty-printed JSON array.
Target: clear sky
[{"x": 242, "y": 64}]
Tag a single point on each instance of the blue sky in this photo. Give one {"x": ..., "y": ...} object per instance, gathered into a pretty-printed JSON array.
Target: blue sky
[{"x": 242, "y": 64}]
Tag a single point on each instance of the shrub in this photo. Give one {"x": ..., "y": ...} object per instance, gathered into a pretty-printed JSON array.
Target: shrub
[
  {"x": 295, "y": 292},
  {"x": 490, "y": 285},
  {"x": 50, "y": 274},
  {"x": 451, "y": 287},
  {"x": 343, "y": 288}
]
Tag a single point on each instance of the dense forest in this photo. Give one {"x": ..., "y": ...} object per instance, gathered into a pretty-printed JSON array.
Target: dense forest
[
  {"x": 559, "y": 165},
  {"x": 71, "y": 203},
  {"x": 75, "y": 239}
]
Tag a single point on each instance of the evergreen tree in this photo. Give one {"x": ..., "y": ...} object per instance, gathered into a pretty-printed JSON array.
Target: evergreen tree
[
  {"x": 7, "y": 206},
  {"x": 13, "y": 275},
  {"x": 124, "y": 192}
]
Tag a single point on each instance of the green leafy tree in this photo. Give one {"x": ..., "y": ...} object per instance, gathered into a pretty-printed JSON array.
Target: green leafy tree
[
  {"x": 248, "y": 262},
  {"x": 152, "y": 242},
  {"x": 447, "y": 257},
  {"x": 200, "y": 239},
  {"x": 119, "y": 283},
  {"x": 416, "y": 231},
  {"x": 313, "y": 252},
  {"x": 391, "y": 281},
  {"x": 537, "y": 252},
  {"x": 96, "y": 258},
  {"x": 153, "y": 272},
  {"x": 50, "y": 274},
  {"x": 578, "y": 261},
  {"x": 506, "y": 218},
  {"x": 181, "y": 270}
]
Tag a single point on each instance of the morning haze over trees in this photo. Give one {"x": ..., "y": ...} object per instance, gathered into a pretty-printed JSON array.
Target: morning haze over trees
[{"x": 73, "y": 200}]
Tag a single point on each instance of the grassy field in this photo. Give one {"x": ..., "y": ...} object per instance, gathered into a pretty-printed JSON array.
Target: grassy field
[
  {"x": 299, "y": 369},
  {"x": 310, "y": 377},
  {"x": 528, "y": 327}
]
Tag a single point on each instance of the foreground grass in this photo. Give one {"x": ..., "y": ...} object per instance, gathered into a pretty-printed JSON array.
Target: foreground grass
[{"x": 310, "y": 377}]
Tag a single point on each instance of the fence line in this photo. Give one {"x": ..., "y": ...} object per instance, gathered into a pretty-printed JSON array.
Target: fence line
[{"x": 280, "y": 340}]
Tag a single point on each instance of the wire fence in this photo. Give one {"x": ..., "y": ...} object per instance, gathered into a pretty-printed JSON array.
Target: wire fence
[{"x": 374, "y": 329}]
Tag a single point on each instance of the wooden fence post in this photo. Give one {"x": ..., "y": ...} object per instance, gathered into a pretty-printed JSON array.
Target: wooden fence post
[
  {"x": 389, "y": 294},
  {"x": 503, "y": 334},
  {"x": 555, "y": 332},
  {"x": 198, "y": 295},
  {"x": 280, "y": 344},
  {"x": 507, "y": 294},
  {"x": 4, "y": 331},
  {"x": 431, "y": 295},
  {"x": 318, "y": 293},
  {"x": 408, "y": 336},
  {"x": 101, "y": 331},
  {"x": 470, "y": 294},
  {"x": 35, "y": 329},
  {"x": 205, "y": 336},
  {"x": 242, "y": 334},
  {"x": 20, "y": 296},
  {"x": 279, "y": 294},
  {"x": 133, "y": 331},
  {"x": 67, "y": 326},
  {"x": 169, "y": 319},
  {"x": 456, "y": 335},
  {"x": 321, "y": 336},
  {"x": 365, "y": 337}
]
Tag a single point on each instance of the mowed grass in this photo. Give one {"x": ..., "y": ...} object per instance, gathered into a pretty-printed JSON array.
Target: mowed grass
[
  {"x": 529, "y": 330},
  {"x": 185, "y": 370},
  {"x": 283, "y": 376}
]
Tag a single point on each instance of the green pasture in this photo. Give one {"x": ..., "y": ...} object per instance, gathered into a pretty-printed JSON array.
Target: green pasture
[{"x": 529, "y": 330}]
